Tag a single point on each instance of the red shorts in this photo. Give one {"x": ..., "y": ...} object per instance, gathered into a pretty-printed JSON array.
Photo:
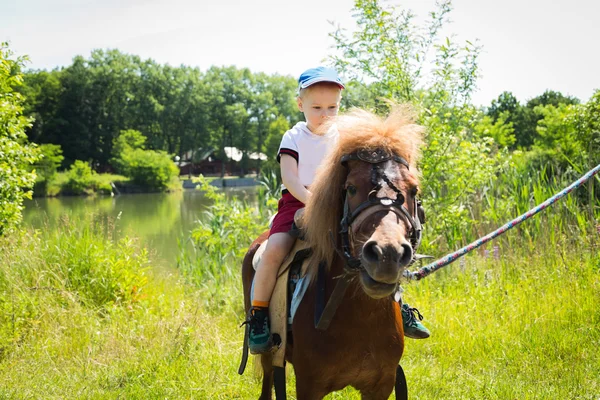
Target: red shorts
[{"x": 286, "y": 208}]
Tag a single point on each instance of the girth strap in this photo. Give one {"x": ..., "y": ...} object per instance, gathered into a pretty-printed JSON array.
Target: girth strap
[{"x": 324, "y": 314}]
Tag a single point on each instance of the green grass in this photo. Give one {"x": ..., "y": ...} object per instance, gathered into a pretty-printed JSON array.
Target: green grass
[
  {"x": 523, "y": 327},
  {"x": 82, "y": 317}
]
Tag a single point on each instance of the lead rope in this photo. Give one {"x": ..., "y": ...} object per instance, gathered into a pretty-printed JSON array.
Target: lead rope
[{"x": 442, "y": 262}]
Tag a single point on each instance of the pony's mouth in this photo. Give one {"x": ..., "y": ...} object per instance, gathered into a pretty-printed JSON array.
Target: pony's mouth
[{"x": 374, "y": 288}]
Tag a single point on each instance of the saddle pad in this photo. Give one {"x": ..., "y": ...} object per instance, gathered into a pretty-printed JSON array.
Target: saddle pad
[{"x": 278, "y": 307}]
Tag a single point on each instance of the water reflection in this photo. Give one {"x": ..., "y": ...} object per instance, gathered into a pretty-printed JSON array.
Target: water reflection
[{"x": 159, "y": 219}]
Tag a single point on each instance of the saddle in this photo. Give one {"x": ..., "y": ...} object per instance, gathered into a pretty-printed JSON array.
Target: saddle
[{"x": 289, "y": 288}]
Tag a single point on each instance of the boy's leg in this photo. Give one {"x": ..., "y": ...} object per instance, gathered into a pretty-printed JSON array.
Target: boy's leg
[
  {"x": 278, "y": 246},
  {"x": 264, "y": 282}
]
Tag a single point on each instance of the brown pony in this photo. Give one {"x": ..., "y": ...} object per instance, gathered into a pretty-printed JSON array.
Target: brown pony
[{"x": 370, "y": 180}]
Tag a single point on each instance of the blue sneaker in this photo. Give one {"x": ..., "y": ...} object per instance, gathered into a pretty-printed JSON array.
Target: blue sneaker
[
  {"x": 259, "y": 339},
  {"x": 413, "y": 328}
]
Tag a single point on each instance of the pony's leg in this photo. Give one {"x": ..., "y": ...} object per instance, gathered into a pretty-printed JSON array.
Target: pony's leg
[{"x": 267, "y": 385}]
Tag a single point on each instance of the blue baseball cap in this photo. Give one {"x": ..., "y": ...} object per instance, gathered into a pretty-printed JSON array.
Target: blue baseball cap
[{"x": 319, "y": 74}]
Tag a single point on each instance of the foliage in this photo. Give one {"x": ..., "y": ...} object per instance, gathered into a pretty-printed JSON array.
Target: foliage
[
  {"x": 567, "y": 137},
  {"x": 501, "y": 131},
  {"x": 591, "y": 128},
  {"x": 84, "y": 106},
  {"x": 558, "y": 131},
  {"x": 389, "y": 55},
  {"x": 53, "y": 269},
  {"x": 276, "y": 129},
  {"x": 50, "y": 161},
  {"x": 79, "y": 178},
  {"x": 16, "y": 155},
  {"x": 127, "y": 141},
  {"x": 230, "y": 219},
  {"x": 150, "y": 169},
  {"x": 47, "y": 166},
  {"x": 43, "y": 91},
  {"x": 524, "y": 118},
  {"x": 147, "y": 168}
]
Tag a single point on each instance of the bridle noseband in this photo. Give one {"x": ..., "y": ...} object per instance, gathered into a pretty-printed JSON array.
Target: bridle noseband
[{"x": 374, "y": 204}]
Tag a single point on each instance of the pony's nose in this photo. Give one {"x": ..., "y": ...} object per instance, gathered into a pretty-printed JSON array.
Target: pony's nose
[
  {"x": 374, "y": 253},
  {"x": 407, "y": 255}
]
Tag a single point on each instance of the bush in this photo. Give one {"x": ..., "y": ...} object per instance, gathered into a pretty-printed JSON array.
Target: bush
[
  {"x": 46, "y": 167},
  {"x": 80, "y": 178},
  {"x": 147, "y": 168},
  {"x": 150, "y": 169},
  {"x": 16, "y": 155}
]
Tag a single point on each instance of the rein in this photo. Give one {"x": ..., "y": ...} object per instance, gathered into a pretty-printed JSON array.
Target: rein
[{"x": 352, "y": 220}]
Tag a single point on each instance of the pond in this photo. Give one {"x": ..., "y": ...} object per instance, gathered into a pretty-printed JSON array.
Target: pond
[{"x": 160, "y": 220}]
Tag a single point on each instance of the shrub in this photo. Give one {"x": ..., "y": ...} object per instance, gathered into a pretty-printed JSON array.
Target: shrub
[
  {"x": 147, "y": 168},
  {"x": 80, "y": 178},
  {"x": 16, "y": 155},
  {"x": 46, "y": 167},
  {"x": 150, "y": 169}
]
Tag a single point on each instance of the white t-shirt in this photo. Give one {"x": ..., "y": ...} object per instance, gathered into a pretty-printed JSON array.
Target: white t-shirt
[{"x": 308, "y": 149}]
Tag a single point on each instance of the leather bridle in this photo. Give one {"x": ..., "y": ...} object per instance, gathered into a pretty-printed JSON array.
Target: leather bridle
[{"x": 352, "y": 220}]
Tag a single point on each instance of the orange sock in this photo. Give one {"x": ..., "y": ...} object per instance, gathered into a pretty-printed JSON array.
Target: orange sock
[{"x": 260, "y": 304}]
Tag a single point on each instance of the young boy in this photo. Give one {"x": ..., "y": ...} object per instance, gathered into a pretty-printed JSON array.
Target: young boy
[{"x": 301, "y": 152}]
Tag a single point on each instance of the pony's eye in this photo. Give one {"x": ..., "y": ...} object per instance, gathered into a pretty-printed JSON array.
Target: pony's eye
[{"x": 351, "y": 190}]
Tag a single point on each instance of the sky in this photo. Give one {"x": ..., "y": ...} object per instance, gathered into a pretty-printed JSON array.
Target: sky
[{"x": 529, "y": 46}]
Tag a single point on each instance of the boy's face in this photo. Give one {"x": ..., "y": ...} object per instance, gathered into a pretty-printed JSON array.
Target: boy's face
[{"x": 319, "y": 103}]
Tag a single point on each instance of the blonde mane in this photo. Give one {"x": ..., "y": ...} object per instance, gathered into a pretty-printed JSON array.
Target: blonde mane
[{"x": 359, "y": 129}]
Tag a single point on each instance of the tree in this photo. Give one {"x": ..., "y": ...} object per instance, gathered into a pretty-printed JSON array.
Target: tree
[
  {"x": 46, "y": 167},
  {"x": 15, "y": 152},
  {"x": 506, "y": 103},
  {"x": 43, "y": 91},
  {"x": 394, "y": 59},
  {"x": 147, "y": 168},
  {"x": 525, "y": 118},
  {"x": 127, "y": 141},
  {"x": 275, "y": 132}
]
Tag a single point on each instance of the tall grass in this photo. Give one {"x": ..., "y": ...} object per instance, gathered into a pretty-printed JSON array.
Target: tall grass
[
  {"x": 515, "y": 191},
  {"x": 74, "y": 265},
  {"x": 84, "y": 317},
  {"x": 520, "y": 325},
  {"x": 517, "y": 322},
  {"x": 221, "y": 239}
]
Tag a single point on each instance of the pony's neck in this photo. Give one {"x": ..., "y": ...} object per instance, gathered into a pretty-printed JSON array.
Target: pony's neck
[{"x": 355, "y": 295}]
